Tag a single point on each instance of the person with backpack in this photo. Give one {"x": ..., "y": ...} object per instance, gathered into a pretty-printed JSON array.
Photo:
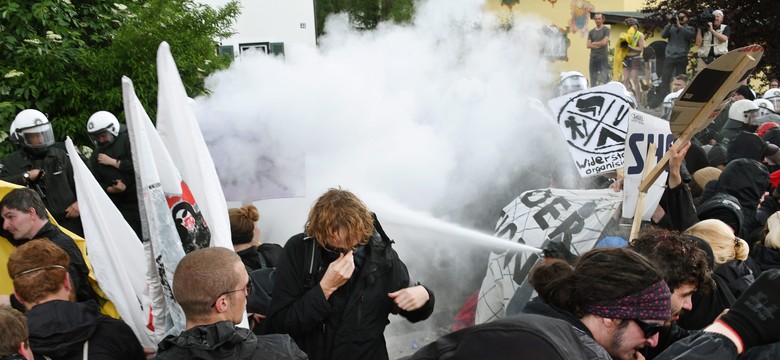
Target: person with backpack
[
  {"x": 246, "y": 239},
  {"x": 336, "y": 284}
]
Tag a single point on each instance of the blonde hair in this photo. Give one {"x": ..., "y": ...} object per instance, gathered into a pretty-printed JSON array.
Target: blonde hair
[
  {"x": 725, "y": 245},
  {"x": 772, "y": 238}
]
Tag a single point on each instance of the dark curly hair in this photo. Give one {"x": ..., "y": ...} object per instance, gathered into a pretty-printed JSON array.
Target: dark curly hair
[
  {"x": 678, "y": 259},
  {"x": 599, "y": 274}
]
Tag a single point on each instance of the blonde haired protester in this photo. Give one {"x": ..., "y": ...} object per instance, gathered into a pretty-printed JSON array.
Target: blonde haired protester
[
  {"x": 336, "y": 284},
  {"x": 733, "y": 270},
  {"x": 766, "y": 253},
  {"x": 725, "y": 245}
]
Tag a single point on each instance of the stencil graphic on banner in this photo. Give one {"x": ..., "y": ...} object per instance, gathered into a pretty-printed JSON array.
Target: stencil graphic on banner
[
  {"x": 574, "y": 218},
  {"x": 593, "y": 122}
]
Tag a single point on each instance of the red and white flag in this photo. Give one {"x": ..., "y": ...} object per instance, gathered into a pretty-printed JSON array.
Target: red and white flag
[
  {"x": 156, "y": 178},
  {"x": 179, "y": 131}
]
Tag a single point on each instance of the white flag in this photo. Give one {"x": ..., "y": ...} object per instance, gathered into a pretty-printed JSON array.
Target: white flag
[
  {"x": 156, "y": 176},
  {"x": 179, "y": 131},
  {"x": 116, "y": 253}
]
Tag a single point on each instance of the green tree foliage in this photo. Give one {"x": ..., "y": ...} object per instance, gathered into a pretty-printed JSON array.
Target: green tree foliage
[
  {"x": 751, "y": 22},
  {"x": 66, "y": 57},
  {"x": 364, "y": 14}
]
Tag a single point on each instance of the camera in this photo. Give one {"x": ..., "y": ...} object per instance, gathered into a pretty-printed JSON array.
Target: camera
[{"x": 701, "y": 21}]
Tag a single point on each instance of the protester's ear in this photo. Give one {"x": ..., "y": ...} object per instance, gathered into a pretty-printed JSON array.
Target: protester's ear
[
  {"x": 67, "y": 283},
  {"x": 612, "y": 323}
]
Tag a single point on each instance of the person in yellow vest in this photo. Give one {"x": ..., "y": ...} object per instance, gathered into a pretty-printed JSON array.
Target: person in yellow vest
[
  {"x": 633, "y": 61},
  {"x": 712, "y": 40}
]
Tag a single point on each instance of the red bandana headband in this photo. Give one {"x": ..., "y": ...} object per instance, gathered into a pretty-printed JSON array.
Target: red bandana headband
[{"x": 652, "y": 303}]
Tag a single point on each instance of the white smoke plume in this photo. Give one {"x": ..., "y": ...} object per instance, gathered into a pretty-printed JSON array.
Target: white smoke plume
[{"x": 439, "y": 116}]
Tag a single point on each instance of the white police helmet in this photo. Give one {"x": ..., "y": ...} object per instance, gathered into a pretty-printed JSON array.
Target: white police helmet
[
  {"x": 765, "y": 107},
  {"x": 100, "y": 122},
  {"x": 572, "y": 81},
  {"x": 773, "y": 95},
  {"x": 744, "y": 111},
  {"x": 33, "y": 130}
]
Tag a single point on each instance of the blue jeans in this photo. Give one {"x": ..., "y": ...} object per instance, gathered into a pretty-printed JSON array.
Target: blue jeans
[{"x": 599, "y": 71}]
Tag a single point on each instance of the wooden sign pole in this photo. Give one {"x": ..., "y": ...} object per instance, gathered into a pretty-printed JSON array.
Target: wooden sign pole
[
  {"x": 640, "y": 202},
  {"x": 700, "y": 121}
]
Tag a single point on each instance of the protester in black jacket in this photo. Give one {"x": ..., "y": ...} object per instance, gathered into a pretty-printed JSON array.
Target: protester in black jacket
[
  {"x": 746, "y": 180},
  {"x": 212, "y": 286},
  {"x": 112, "y": 165},
  {"x": 336, "y": 304},
  {"x": 685, "y": 269},
  {"x": 59, "y": 328},
  {"x": 766, "y": 253},
  {"x": 24, "y": 218},
  {"x": 245, "y": 236}
]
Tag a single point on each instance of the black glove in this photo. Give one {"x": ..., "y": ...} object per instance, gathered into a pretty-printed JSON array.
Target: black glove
[
  {"x": 756, "y": 313},
  {"x": 624, "y": 44}
]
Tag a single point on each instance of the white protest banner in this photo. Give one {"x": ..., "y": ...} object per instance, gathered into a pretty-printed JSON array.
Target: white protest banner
[
  {"x": 573, "y": 217},
  {"x": 155, "y": 172},
  {"x": 116, "y": 253},
  {"x": 643, "y": 130},
  {"x": 179, "y": 131},
  {"x": 593, "y": 123}
]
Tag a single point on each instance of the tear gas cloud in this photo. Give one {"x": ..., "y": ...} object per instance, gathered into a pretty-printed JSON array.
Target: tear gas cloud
[{"x": 439, "y": 116}]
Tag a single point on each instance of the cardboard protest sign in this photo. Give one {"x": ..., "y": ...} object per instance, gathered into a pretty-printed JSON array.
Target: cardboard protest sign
[
  {"x": 593, "y": 123},
  {"x": 643, "y": 130},
  {"x": 697, "y": 105},
  {"x": 574, "y": 218},
  {"x": 710, "y": 86}
]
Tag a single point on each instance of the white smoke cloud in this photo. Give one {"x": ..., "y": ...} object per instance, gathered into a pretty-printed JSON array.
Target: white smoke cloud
[{"x": 438, "y": 115}]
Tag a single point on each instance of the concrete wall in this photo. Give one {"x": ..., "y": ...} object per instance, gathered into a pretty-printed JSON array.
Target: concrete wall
[{"x": 288, "y": 21}]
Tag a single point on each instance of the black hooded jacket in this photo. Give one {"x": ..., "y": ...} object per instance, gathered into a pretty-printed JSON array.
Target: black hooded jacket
[
  {"x": 746, "y": 180},
  {"x": 766, "y": 258},
  {"x": 224, "y": 340},
  {"x": 351, "y": 323},
  {"x": 518, "y": 337},
  {"x": 58, "y": 329}
]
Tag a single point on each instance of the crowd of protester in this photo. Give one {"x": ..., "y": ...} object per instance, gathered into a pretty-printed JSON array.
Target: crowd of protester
[{"x": 701, "y": 279}]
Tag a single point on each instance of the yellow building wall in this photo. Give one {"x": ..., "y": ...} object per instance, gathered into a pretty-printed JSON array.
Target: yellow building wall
[{"x": 574, "y": 14}]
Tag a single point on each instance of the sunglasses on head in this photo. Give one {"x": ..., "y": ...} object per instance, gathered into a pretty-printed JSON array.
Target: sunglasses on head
[{"x": 648, "y": 329}]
